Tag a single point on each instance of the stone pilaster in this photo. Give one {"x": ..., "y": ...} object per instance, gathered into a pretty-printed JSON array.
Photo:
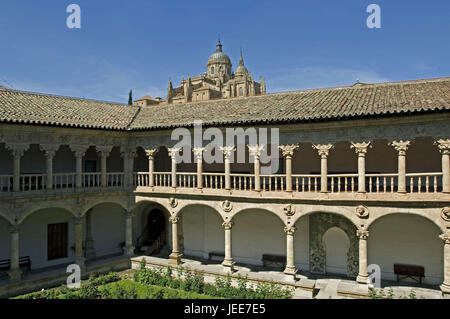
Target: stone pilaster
[
  {"x": 14, "y": 273},
  {"x": 444, "y": 148},
  {"x": 173, "y": 153},
  {"x": 151, "y": 164},
  {"x": 401, "y": 147},
  {"x": 363, "y": 276},
  {"x": 228, "y": 260},
  {"x": 287, "y": 151},
  {"x": 255, "y": 151},
  {"x": 290, "y": 252},
  {"x": 323, "y": 150},
  {"x": 129, "y": 248},
  {"x": 198, "y": 155},
  {"x": 175, "y": 256},
  {"x": 361, "y": 151},
  {"x": 227, "y": 153}
]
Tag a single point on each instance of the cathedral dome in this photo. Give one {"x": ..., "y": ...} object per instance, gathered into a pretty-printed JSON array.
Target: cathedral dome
[
  {"x": 219, "y": 56},
  {"x": 241, "y": 70}
]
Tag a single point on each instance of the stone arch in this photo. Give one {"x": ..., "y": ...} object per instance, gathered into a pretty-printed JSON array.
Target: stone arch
[
  {"x": 182, "y": 208},
  {"x": 410, "y": 239},
  {"x": 6, "y": 217},
  {"x": 48, "y": 205},
  {"x": 241, "y": 211},
  {"x": 348, "y": 214},
  {"x": 438, "y": 222},
  {"x": 103, "y": 201},
  {"x": 319, "y": 223}
]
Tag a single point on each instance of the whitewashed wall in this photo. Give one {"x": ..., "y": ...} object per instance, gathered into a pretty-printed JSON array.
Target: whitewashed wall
[
  {"x": 202, "y": 231},
  {"x": 257, "y": 232},
  {"x": 406, "y": 239},
  {"x": 336, "y": 244},
  {"x": 33, "y": 236},
  {"x": 301, "y": 243},
  {"x": 108, "y": 228}
]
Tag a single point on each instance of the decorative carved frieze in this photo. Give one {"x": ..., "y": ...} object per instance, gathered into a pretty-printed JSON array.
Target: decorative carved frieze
[
  {"x": 289, "y": 210},
  {"x": 227, "y": 206},
  {"x": 290, "y": 230},
  {"x": 173, "y": 151},
  {"x": 323, "y": 149},
  {"x": 18, "y": 149},
  {"x": 227, "y": 225},
  {"x": 49, "y": 149},
  {"x": 227, "y": 151},
  {"x": 151, "y": 152},
  {"x": 173, "y": 202},
  {"x": 443, "y": 145},
  {"x": 79, "y": 150},
  {"x": 362, "y": 211},
  {"x": 255, "y": 150},
  {"x": 361, "y": 148},
  {"x": 174, "y": 219},
  {"x": 198, "y": 153},
  {"x": 445, "y": 238},
  {"x": 445, "y": 214},
  {"x": 288, "y": 150},
  {"x": 401, "y": 146},
  {"x": 362, "y": 234},
  {"x": 104, "y": 150}
]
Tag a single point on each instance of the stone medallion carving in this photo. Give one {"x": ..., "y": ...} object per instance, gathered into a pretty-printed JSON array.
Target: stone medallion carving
[
  {"x": 362, "y": 211},
  {"x": 227, "y": 206},
  {"x": 445, "y": 214},
  {"x": 173, "y": 202},
  {"x": 289, "y": 210}
]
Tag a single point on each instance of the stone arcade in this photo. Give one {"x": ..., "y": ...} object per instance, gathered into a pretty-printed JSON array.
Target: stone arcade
[{"x": 364, "y": 179}]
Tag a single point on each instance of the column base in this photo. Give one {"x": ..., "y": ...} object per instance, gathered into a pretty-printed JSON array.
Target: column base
[
  {"x": 15, "y": 275},
  {"x": 128, "y": 250},
  {"x": 290, "y": 270},
  {"x": 363, "y": 279},
  {"x": 175, "y": 259},
  {"x": 229, "y": 264},
  {"x": 80, "y": 261},
  {"x": 445, "y": 288}
]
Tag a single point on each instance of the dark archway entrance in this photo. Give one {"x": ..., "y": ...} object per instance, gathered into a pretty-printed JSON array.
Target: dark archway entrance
[
  {"x": 153, "y": 238},
  {"x": 156, "y": 224}
]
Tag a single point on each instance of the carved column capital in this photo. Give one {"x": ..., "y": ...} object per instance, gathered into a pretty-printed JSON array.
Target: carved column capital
[
  {"x": 49, "y": 149},
  {"x": 401, "y": 146},
  {"x": 288, "y": 150},
  {"x": 443, "y": 145},
  {"x": 227, "y": 225},
  {"x": 227, "y": 151},
  {"x": 361, "y": 148},
  {"x": 129, "y": 215},
  {"x": 362, "y": 234},
  {"x": 445, "y": 238},
  {"x": 174, "y": 219},
  {"x": 198, "y": 153},
  {"x": 151, "y": 152},
  {"x": 290, "y": 230},
  {"x": 104, "y": 150},
  {"x": 173, "y": 151},
  {"x": 78, "y": 220},
  {"x": 79, "y": 150},
  {"x": 18, "y": 149},
  {"x": 323, "y": 149},
  {"x": 255, "y": 150},
  {"x": 13, "y": 228}
]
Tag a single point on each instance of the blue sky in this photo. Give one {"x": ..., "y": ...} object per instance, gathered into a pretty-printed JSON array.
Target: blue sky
[{"x": 139, "y": 44}]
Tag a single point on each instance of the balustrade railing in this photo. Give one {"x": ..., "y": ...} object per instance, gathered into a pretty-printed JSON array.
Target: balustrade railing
[
  {"x": 32, "y": 182},
  {"x": 342, "y": 182},
  {"x": 381, "y": 183},
  {"x": 273, "y": 182},
  {"x": 213, "y": 180},
  {"x": 424, "y": 182},
  {"x": 92, "y": 180},
  {"x": 115, "y": 179},
  {"x": 163, "y": 179},
  {"x": 242, "y": 181},
  {"x": 6, "y": 183},
  {"x": 141, "y": 179},
  {"x": 64, "y": 180},
  {"x": 306, "y": 183},
  {"x": 188, "y": 180}
]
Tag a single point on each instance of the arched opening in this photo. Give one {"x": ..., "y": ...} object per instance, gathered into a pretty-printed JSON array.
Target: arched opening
[
  {"x": 201, "y": 232},
  {"x": 406, "y": 239},
  {"x": 257, "y": 233},
  {"x": 336, "y": 244},
  {"x": 47, "y": 236}
]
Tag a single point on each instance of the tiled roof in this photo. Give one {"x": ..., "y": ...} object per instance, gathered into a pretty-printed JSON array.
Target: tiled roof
[
  {"x": 33, "y": 108},
  {"x": 384, "y": 99}
]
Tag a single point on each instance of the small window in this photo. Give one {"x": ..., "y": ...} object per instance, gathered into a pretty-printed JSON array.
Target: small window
[
  {"x": 57, "y": 241},
  {"x": 212, "y": 70},
  {"x": 220, "y": 69},
  {"x": 241, "y": 92}
]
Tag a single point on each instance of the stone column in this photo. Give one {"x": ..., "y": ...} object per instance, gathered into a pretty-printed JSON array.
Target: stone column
[
  {"x": 361, "y": 151},
  {"x": 288, "y": 151},
  {"x": 227, "y": 153},
  {"x": 151, "y": 165},
  {"x": 104, "y": 153},
  {"x": 79, "y": 151},
  {"x": 79, "y": 257},
  {"x": 14, "y": 273},
  {"x": 90, "y": 249},
  {"x": 290, "y": 255},
  {"x": 255, "y": 151},
  {"x": 50, "y": 151},
  {"x": 401, "y": 147},
  {"x": 175, "y": 256},
  {"x": 323, "y": 150},
  {"x": 444, "y": 148},
  {"x": 173, "y": 152},
  {"x": 129, "y": 248},
  {"x": 198, "y": 154},
  {"x": 128, "y": 156},
  {"x": 363, "y": 276},
  {"x": 17, "y": 150},
  {"x": 445, "y": 287},
  {"x": 228, "y": 260}
]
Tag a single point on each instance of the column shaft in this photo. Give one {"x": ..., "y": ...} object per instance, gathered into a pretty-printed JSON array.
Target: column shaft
[
  {"x": 323, "y": 174},
  {"x": 104, "y": 176},
  {"x": 151, "y": 169},
  {"x": 446, "y": 172},
  {"x": 361, "y": 173},
  {"x": 257, "y": 174},
  {"x": 402, "y": 173},
  {"x": 445, "y": 287},
  {"x": 363, "y": 276},
  {"x": 79, "y": 168},
  {"x": 228, "y": 260},
  {"x": 79, "y": 257},
  {"x": 14, "y": 273},
  {"x": 49, "y": 161},
  {"x": 288, "y": 174},
  {"x": 16, "y": 178},
  {"x": 175, "y": 256},
  {"x": 290, "y": 252},
  {"x": 129, "y": 249}
]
